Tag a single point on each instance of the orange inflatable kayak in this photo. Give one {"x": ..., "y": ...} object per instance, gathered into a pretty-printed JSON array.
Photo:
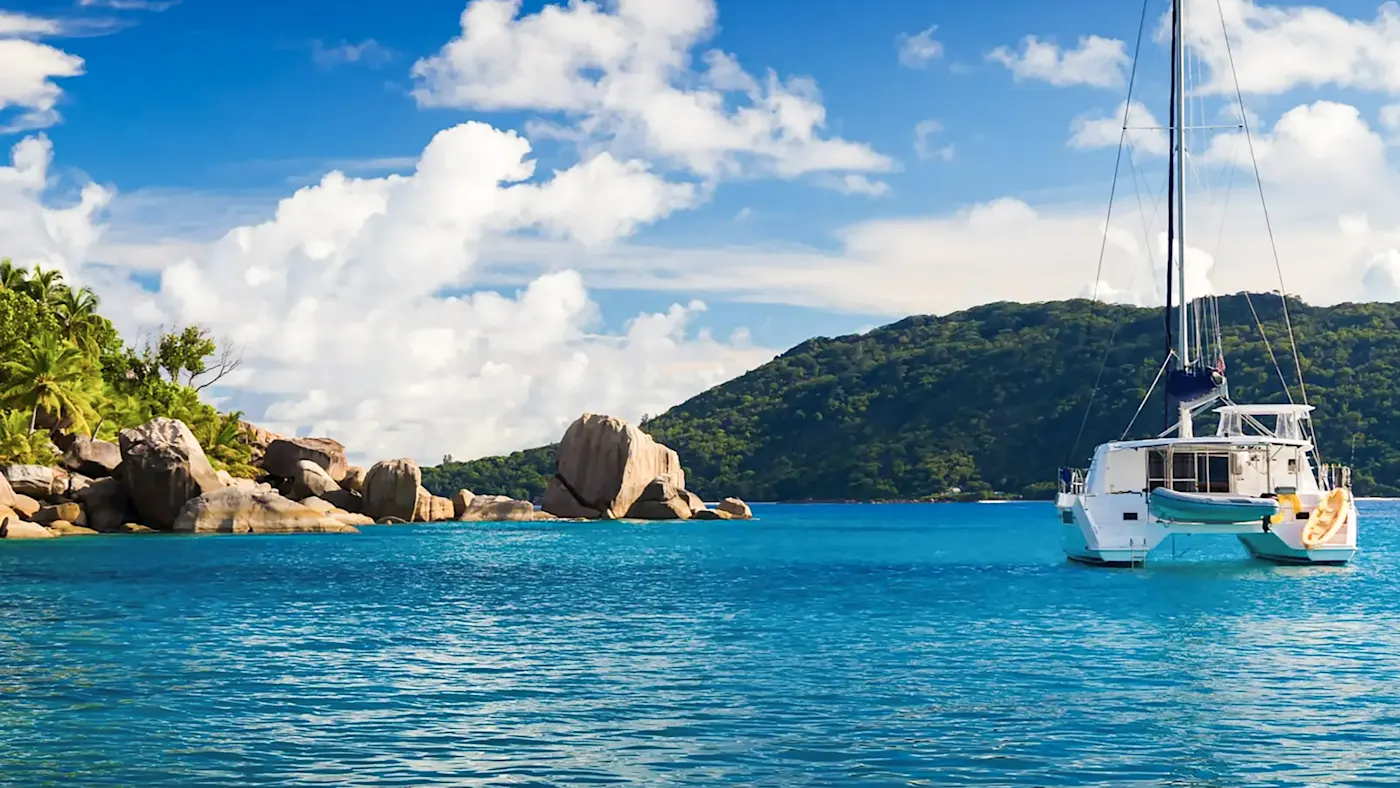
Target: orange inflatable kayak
[{"x": 1330, "y": 516}]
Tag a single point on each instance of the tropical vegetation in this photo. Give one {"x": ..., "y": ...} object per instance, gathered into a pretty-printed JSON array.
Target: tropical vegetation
[
  {"x": 994, "y": 399},
  {"x": 65, "y": 371}
]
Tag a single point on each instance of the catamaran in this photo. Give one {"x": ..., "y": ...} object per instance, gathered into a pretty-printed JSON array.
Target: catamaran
[{"x": 1258, "y": 476}]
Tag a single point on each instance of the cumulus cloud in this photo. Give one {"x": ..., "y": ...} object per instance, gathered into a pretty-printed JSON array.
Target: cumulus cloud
[
  {"x": 919, "y": 49},
  {"x": 1095, "y": 62},
  {"x": 1277, "y": 48},
  {"x": 17, "y": 24},
  {"x": 27, "y": 79},
  {"x": 35, "y": 232},
  {"x": 1144, "y": 132},
  {"x": 622, "y": 77},
  {"x": 1332, "y": 198},
  {"x": 357, "y": 312}
]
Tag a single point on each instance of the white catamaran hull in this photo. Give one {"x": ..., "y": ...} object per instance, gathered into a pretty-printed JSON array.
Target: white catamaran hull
[{"x": 1098, "y": 530}]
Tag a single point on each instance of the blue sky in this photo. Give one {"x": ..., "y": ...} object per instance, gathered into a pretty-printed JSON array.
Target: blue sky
[{"x": 195, "y": 118}]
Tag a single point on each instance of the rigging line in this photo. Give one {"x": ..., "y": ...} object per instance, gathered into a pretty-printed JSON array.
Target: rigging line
[
  {"x": 1145, "y": 397},
  {"x": 1268, "y": 223},
  {"x": 1103, "y": 247}
]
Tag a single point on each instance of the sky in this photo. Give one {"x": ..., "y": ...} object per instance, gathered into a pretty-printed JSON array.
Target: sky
[{"x": 451, "y": 227}]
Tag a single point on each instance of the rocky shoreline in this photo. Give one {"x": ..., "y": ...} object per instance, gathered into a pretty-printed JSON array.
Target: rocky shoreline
[{"x": 156, "y": 478}]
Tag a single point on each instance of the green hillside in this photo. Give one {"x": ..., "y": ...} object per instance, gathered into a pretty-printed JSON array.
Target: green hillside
[{"x": 991, "y": 399}]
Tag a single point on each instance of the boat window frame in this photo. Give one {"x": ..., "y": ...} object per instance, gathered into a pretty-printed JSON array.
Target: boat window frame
[{"x": 1195, "y": 463}]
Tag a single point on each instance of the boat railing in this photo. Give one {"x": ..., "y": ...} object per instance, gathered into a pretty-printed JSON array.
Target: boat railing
[
  {"x": 1335, "y": 477},
  {"x": 1072, "y": 480}
]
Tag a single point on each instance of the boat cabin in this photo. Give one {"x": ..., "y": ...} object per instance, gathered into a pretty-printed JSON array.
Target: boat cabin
[{"x": 1257, "y": 450}]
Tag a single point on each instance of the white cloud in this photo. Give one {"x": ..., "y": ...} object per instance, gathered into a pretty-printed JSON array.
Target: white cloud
[
  {"x": 26, "y": 82},
  {"x": 1325, "y": 149},
  {"x": 916, "y": 51},
  {"x": 35, "y": 233},
  {"x": 622, "y": 76},
  {"x": 1332, "y": 197},
  {"x": 924, "y": 131},
  {"x": 1144, "y": 132},
  {"x": 369, "y": 52},
  {"x": 345, "y": 299},
  {"x": 131, "y": 5},
  {"x": 1278, "y": 48},
  {"x": 17, "y": 24},
  {"x": 859, "y": 184},
  {"x": 1096, "y": 62}
]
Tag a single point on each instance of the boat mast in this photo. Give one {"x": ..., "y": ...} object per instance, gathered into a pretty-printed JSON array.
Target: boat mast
[{"x": 1179, "y": 56}]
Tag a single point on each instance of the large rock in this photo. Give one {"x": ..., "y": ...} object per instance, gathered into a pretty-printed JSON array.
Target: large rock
[
  {"x": 283, "y": 455},
  {"x": 391, "y": 489},
  {"x": 710, "y": 514},
  {"x": 104, "y": 505},
  {"x": 26, "y": 506},
  {"x": 441, "y": 510},
  {"x": 37, "y": 481},
  {"x": 309, "y": 479},
  {"x": 163, "y": 467},
  {"x": 92, "y": 458},
  {"x": 497, "y": 508},
  {"x": 76, "y": 484},
  {"x": 429, "y": 508},
  {"x": 603, "y": 466},
  {"x": 19, "y": 529},
  {"x": 461, "y": 502},
  {"x": 237, "y": 511},
  {"x": 7, "y": 493},
  {"x": 735, "y": 508},
  {"x": 662, "y": 499},
  {"x": 422, "y": 506},
  {"x": 258, "y": 439},
  {"x": 344, "y": 499},
  {"x": 319, "y": 505},
  {"x": 350, "y": 518},
  {"x": 354, "y": 480},
  {"x": 63, "y": 512},
  {"x": 65, "y": 528}
]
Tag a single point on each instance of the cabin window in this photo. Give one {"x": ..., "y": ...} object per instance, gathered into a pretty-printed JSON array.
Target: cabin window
[
  {"x": 1190, "y": 471},
  {"x": 1156, "y": 469},
  {"x": 1293, "y": 466},
  {"x": 1130, "y": 515},
  {"x": 1067, "y": 517}
]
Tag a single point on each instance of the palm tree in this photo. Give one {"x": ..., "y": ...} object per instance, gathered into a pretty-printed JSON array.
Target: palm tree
[
  {"x": 47, "y": 286},
  {"x": 77, "y": 312},
  {"x": 49, "y": 373},
  {"x": 12, "y": 277},
  {"x": 22, "y": 446}
]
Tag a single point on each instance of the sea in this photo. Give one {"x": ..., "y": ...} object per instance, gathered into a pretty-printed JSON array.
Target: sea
[{"x": 818, "y": 645}]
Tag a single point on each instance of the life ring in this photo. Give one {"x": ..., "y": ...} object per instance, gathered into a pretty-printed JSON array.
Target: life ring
[{"x": 1331, "y": 514}]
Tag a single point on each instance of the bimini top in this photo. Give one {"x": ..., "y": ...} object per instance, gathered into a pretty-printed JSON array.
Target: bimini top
[
  {"x": 1240, "y": 420},
  {"x": 1208, "y": 442},
  {"x": 1264, "y": 410}
]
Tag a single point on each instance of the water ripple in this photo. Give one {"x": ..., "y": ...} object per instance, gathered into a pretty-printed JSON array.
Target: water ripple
[{"x": 822, "y": 645}]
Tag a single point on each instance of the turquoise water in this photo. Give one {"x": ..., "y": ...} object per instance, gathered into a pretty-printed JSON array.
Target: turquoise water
[{"x": 820, "y": 645}]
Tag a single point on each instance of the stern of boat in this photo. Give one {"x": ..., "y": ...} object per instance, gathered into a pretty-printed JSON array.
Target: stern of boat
[{"x": 1283, "y": 543}]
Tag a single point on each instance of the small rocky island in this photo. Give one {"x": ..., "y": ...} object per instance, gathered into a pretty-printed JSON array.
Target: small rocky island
[{"x": 157, "y": 478}]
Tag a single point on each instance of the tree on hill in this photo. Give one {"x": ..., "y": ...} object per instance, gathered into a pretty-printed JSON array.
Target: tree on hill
[
  {"x": 993, "y": 399},
  {"x": 64, "y": 368}
]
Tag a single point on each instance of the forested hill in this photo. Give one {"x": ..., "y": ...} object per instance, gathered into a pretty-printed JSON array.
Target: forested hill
[{"x": 991, "y": 399}]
